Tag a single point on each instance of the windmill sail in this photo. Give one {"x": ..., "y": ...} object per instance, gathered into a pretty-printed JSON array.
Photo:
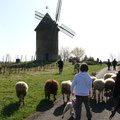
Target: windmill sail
[
  {"x": 58, "y": 10},
  {"x": 47, "y": 19},
  {"x": 39, "y": 15},
  {"x": 67, "y": 31}
]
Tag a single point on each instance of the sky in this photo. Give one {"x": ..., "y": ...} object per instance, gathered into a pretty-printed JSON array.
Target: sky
[{"x": 96, "y": 24}]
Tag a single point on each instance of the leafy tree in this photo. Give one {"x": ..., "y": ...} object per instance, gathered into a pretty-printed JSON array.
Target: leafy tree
[
  {"x": 78, "y": 52},
  {"x": 65, "y": 53}
]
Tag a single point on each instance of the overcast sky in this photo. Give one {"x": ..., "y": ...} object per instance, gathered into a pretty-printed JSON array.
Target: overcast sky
[{"x": 95, "y": 22}]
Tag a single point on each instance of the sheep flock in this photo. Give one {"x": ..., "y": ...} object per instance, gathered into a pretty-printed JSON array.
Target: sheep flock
[
  {"x": 100, "y": 87},
  {"x": 104, "y": 86},
  {"x": 101, "y": 90}
]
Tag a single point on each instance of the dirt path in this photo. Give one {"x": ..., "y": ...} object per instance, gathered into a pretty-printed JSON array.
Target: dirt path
[{"x": 100, "y": 111}]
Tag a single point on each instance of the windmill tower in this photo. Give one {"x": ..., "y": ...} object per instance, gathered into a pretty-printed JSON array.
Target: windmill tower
[{"x": 47, "y": 35}]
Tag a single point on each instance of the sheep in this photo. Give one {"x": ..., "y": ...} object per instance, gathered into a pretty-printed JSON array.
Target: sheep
[
  {"x": 21, "y": 90},
  {"x": 114, "y": 77},
  {"x": 51, "y": 86},
  {"x": 76, "y": 67},
  {"x": 93, "y": 79},
  {"x": 99, "y": 85},
  {"x": 66, "y": 89},
  {"x": 108, "y": 75},
  {"x": 92, "y": 91},
  {"x": 69, "y": 106},
  {"x": 109, "y": 84}
]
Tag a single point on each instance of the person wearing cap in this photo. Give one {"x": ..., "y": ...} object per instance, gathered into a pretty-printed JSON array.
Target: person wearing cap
[{"x": 82, "y": 84}]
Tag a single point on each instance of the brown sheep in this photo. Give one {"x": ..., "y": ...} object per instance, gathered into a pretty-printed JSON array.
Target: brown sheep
[{"x": 51, "y": 87}]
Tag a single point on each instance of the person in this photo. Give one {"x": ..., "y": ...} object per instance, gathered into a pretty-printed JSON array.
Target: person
[
  {"x": 114, "y": 63},
  {"x": 76, "y": 67},
  {"x": 108, "y": 64},
  {"x": 82, "y": 84},
  {"x": 60, "y": 65},
  {"x": 116, "y": 96}
]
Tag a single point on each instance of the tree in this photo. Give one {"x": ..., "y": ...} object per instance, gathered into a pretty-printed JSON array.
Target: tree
[
  {"x": 112, "y": 56},
  {"x": 85, "y": 58},
  {"x": 65, "y": 53},
  {"x": 97, "y": 60},
  {"x": 78, "y": 52},
  {"x": 91, "y": 59}
]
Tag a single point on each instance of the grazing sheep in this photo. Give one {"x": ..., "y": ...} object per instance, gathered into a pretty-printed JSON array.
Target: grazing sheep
[
  {"x": 76, "y": 67},
  {"x": 99, "y": 85},
  {"x": 21, "y": 90},
  {"x": 69, "y": 106},
  {"x": 66, "y": 89},
  {"x": 51, "y": 87},
  {"x": 108, "y": 75},
  {"x": 109, "y": 84}
]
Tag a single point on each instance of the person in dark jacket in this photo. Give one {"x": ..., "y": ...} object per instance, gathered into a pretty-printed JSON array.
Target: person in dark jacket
[
  {"x": 60, "y": 65},
  {"x": 114, "y": 63},
  {"x": 116, "y": 96},
  {"x": 108, "y": 64}
]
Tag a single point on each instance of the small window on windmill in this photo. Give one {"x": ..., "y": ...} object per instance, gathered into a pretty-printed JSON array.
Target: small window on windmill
[{"x": 17, "y": 60}]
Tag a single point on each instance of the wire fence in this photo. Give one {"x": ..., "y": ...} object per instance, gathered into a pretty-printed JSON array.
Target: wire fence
[{"x": 12, "y": 68}]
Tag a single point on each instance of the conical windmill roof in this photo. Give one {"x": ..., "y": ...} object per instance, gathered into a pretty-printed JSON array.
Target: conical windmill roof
[{"x": 46, "y": 22}]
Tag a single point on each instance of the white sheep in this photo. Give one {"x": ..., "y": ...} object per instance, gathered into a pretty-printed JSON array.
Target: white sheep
[
  {"x": 108, "y": 75},
  {"x": 92, "y": 89},
  {"x": 69, "y": 106},
  {"x": 66, "y": 89},
  {"x": 109, "y": 84},
  {"x": 114, "y": 77},
  {"x": 99, "y": 84},
  {"x": 93, "y": 78},
  {"x": 21, "y": 90}
]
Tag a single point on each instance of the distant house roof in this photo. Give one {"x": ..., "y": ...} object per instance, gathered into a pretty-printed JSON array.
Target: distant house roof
[{"x": 46, "y": 22}]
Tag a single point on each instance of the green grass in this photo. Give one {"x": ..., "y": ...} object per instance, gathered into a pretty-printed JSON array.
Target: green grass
[{"x": 35, "y": 99}]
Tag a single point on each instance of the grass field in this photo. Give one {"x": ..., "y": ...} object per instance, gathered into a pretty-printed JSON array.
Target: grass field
[{"x": 35, "y": 99}]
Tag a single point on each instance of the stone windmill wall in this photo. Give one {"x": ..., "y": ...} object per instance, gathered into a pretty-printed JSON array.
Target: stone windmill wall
[{"x": 47, "y": 40}]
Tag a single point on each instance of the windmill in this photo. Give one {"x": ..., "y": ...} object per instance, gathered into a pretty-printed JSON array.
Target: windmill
[{"x": 47, "y": 35}]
